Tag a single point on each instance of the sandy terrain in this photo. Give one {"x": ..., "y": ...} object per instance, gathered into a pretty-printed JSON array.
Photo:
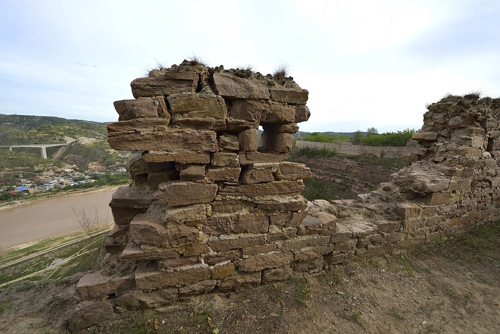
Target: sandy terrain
[{"x": 51, "y": 217}]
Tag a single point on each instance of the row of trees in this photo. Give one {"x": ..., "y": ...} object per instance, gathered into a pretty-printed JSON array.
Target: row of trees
[{"x": 371, "y": 137}]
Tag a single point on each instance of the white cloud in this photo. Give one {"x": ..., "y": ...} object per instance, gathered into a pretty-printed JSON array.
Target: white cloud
[{"x": 365, "y": 63}]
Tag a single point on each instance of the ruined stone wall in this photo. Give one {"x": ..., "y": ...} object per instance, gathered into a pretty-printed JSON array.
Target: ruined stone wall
[
  {"x": 208, "y": 208},
  {"x": 210, "y": 211}
]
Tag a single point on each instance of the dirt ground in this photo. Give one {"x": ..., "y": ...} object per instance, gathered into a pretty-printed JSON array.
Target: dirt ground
[{"x": 451, "y": 288}]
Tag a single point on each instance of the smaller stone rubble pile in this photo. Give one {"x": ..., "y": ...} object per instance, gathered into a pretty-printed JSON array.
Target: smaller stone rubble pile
[{"x": 451, "y": 182}]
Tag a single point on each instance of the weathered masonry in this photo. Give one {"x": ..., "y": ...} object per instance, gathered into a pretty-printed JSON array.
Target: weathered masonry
[{"x": 211, "y": 209}]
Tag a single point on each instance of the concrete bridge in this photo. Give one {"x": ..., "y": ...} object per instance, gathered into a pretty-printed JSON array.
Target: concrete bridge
[{"x": 42, "y": 146}]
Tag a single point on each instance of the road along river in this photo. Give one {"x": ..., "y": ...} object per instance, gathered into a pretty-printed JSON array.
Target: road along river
[{"x": 52, "y": 217}]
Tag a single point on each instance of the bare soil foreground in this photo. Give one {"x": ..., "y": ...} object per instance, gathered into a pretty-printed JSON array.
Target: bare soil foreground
[
  {"x": 451, "y": 287},
  {"x": 51, "y": 217}
]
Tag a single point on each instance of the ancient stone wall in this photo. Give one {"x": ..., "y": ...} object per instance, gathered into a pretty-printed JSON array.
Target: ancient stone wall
[{"x": 208, "y": 210}]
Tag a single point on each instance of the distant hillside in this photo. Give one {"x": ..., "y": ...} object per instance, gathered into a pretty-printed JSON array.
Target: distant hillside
[
  {"x": 20, "y": 129},
  {"x": 302, "y": 134},
  {"x": 92, "y": 148}
]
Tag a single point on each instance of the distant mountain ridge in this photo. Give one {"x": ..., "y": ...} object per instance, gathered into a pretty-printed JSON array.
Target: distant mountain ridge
[
  {"x": 302, "y": 134},
  {"x": 23, "y": 129}
]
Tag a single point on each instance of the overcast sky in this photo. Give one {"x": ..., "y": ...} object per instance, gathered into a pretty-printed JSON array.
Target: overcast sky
[{"x": 365, "y": 63}]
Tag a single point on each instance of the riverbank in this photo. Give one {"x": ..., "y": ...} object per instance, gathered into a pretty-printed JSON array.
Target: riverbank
[
  {"x": 49, "y": 195},
  {"x": 34, "y": 221}
]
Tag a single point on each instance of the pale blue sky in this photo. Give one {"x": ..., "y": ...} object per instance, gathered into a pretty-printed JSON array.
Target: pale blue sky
[{"x": 365, "y": 63}]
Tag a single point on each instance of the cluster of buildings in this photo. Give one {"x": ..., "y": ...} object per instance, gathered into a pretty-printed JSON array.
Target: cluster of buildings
[{"x": 49, "y": 180}]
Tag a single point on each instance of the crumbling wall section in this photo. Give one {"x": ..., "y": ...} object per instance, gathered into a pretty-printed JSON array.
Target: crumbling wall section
[{"x": 210, "y": 210}]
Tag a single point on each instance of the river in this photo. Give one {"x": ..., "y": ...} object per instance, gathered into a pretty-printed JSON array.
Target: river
[{"x": 52, "y": 217}]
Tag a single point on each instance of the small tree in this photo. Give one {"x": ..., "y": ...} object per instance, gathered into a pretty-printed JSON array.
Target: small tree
[
  {"x": 371, "y": 131},
  {"x": 358, "y": 137}
]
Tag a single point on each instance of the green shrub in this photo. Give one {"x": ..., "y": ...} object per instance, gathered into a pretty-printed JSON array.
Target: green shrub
[
  {"x": 389, "y": 138},
  {"x": 322, "y": 138},
  {"x": 314, "y": 152}
]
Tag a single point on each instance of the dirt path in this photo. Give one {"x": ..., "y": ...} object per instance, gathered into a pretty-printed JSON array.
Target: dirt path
[{"x": 51, "y": 217}]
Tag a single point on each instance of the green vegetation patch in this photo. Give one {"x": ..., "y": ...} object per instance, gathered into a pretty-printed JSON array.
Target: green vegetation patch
[
  {"x": 319, "y": 190},
  {"x": 479, "y": 245},
  {"x": 325, "y": 138},
  {"x": 312, "y": 152},
  {"x": 398, "y": 138}
]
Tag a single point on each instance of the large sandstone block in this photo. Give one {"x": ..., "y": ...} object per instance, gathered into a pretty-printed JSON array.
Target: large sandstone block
[
  {"x": 281, "y": 128},
  {"x": 132, "y": 252},
  {"x": 407, "y": 211},
  {"x": 305, "y": 241},
  {"x": 223, "y": 174},
  {"x": 232, "y": 87},
  {"x": 139, "y": 125},
  {"x": 425, "y": 136},
  {"x": 293, "y": 171},
  {"x": 147, "y": 135},
  {"x": 197, "y": 105},
  {"x": 280, "y": 113},
  {"x": 136, "y": 165},
  {"x": 223, "y": 270},
  {"x": 185, "y": 193},
  {"x": 192, "y": 172},
  {"x": 277, "y": 142},
  {"x": 289, "y": 95},
  {"x": 283, "y": 203},
  {"x": 94, "y": 286},
  {"x": 249, "y": 140},
  {"x": 221, "y": 258},
  {"x": 225, "y": 159},
  {"x": 157, "y": 280},
  {"x": 142, "y": 107},
  {"x": 170, "y": 83},
  {"x": 189, "y": 213},
  {"x": 143, "y": 232},
  {"x": 224, "y": 244},
  {"x": 186, "y": 157},
  {"x": 421, "y": 181},
  {"x": 249, "y": 110},
  {"x": 235, "y": 281},
  {"x": 198, "y": 109},
  {"x": 249, "y": 158},
  {"x": 130, "y": 197},
  {"x": 197, "y": 288},
  {"x": 265, "y": 261},
  {"x": 236, "y": 223},
  {"x": 274, "y": 188},
  {"x": 229, "y": 142},
  {"x": 232, "y": 206},
  {"x": 258, "y": 174},
  {"x": 237, "y": 125}
]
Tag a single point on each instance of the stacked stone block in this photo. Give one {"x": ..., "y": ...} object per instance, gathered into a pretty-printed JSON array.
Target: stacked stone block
[{"x": 209, "y": 206}]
